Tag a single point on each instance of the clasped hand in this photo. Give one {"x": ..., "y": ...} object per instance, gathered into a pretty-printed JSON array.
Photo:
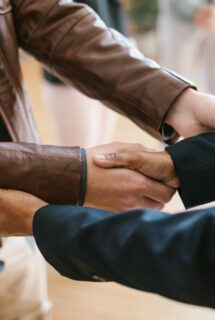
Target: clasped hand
[
  {"x": 127, "y": 176},
  {"x": 136, "y": 177}
]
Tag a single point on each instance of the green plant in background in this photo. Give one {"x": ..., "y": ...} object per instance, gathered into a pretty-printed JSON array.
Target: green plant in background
[{"x": 144, "y": 13}]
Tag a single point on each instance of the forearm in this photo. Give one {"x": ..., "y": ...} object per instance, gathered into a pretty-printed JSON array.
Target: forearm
[
  {"x": 72, "y": 41},
  {"x": 51, "y": 173},
  {"x": 172, "y": 255}
]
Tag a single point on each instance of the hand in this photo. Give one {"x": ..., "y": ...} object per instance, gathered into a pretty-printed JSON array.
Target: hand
[
  {"x": 192, "y": 113},
  {"x": 205, "y": 17},
  {"x": 122, "y": 189},
  {"x": 155, "y": 165},
  {"x": 17, "y": 210}
]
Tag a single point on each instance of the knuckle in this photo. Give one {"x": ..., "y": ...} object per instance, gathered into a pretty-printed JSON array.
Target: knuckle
[
  {"x": 111, "y": 156},
  {"x": 117, "y": 156}
]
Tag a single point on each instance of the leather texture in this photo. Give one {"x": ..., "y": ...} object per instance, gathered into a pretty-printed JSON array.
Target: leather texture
[
  {"x": 71, "y": 40},
  {"x": 50, "y": 173},
  {"x": 74, "y": 43},
  {"x": 170, "y": 255}
]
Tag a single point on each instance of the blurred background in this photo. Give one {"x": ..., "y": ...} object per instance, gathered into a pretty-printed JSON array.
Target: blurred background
[{"x": 177, "y": 35}]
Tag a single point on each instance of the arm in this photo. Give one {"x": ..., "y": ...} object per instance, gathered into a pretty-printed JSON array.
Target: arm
[
  {"x": 67, "y": 175},
  {"x": 49, "y": 172},
  {"x": 75, "y": 44},
  {"x": 171, "y": 255}
]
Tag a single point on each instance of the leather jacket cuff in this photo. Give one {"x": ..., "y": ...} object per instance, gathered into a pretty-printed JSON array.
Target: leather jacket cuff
[
  {"x": 194, "y": 163},
  {"x": 169, "y": 134},
  {"x": 83, "y": 178},
  {"x": 48, "y": 172}
]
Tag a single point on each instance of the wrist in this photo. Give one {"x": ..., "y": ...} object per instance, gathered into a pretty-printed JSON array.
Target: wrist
[{"x": 182, "y": 107}]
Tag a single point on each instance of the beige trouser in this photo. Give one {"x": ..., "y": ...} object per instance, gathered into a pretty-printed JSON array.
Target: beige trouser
[{"x": 23, "y": 291}]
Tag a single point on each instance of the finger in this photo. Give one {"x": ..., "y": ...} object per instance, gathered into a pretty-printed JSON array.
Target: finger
[
  {"x": 130, "y": 160},
  {"x": 148, "y": 163},
  {"x": 157, "y": 191},
  {"x": 151, "y": 204}
]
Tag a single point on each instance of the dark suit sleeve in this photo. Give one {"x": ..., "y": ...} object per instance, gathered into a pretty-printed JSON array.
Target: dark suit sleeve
[
  {"x": 194, "y": 161},
  {"x": 171, "y": 255}
]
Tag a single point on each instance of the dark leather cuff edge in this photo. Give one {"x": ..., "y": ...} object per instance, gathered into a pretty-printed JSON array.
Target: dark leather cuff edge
[{"x": 83, "y": 185}]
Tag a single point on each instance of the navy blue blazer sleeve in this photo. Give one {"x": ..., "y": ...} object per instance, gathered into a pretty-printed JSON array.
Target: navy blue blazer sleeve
[
  {"x": 194, "y": 161},
  {"x": 171, "y": 255}
]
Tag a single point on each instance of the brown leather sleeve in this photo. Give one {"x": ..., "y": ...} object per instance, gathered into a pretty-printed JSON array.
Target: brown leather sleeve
[
  {"x": 75, "y": 44},
  {"x": 48, "y": 172}
]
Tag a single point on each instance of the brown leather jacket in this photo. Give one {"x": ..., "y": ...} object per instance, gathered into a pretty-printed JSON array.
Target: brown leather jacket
[{"x": 75, "y": 44}]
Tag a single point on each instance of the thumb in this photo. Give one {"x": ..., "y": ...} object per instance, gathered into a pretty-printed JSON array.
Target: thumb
[
  {"x": 116, "y": 160},
  {"x": 155, "y": 165},
  {"x": 147, "y": 163}
]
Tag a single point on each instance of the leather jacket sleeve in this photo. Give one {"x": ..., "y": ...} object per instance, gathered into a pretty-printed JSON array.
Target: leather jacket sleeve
[
  {"x": 171, "y": 255},
  {"x": 48, "y": 172},
  {"x": 72, "y": 41}
]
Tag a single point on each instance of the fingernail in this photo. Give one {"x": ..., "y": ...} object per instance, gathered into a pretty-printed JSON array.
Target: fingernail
[{"x": 100, "y": 157}]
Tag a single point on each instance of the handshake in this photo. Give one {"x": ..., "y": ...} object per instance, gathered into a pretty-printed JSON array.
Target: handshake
[
  {"x": 120, "y": 176},
  {"x": 126, "y": 176}
]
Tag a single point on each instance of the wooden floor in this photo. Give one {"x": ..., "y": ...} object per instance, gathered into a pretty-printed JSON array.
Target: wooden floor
[{"x": 85, "y": 301}]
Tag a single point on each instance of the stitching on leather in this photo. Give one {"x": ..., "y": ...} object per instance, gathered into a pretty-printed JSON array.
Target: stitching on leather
[
  {"x": 120, "y": 96},
  {"x": 40, "y": 155},
  {"x": 51, "y": 54},
  {"x": 41, "y": 23}
]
